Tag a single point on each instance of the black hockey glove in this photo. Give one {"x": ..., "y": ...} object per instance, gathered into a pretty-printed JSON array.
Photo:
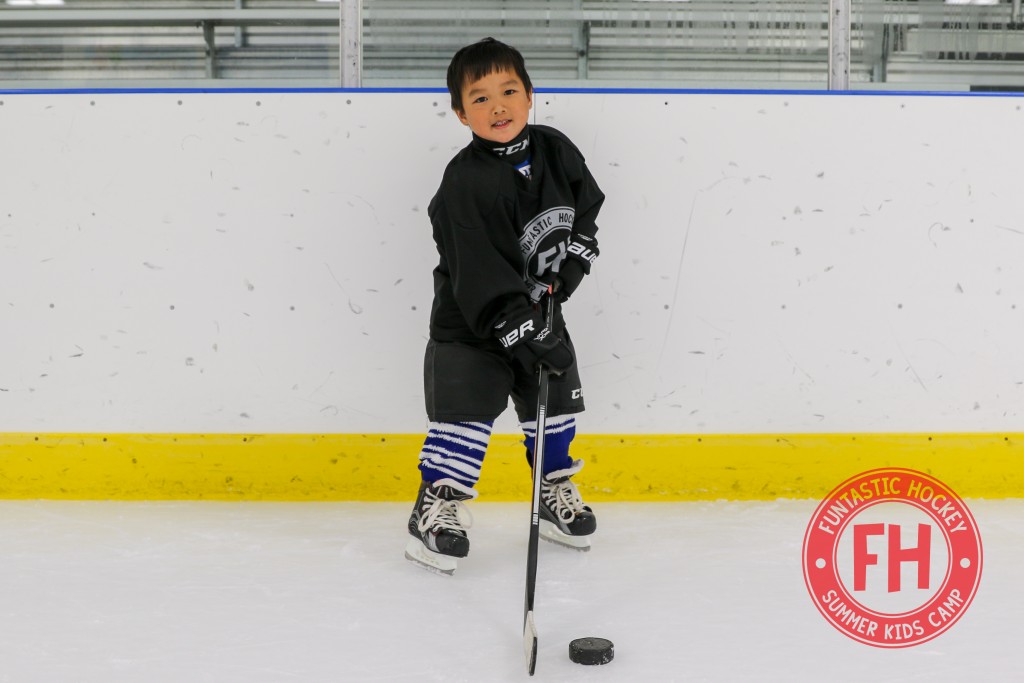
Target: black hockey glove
[
  {"x": 567, "y": 280},
  {"x": 532, "y": 343},
  {"x": 583, "y": 252}
]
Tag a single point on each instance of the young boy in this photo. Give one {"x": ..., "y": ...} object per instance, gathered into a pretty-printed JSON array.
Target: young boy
[{"x": 514, "y": 215}]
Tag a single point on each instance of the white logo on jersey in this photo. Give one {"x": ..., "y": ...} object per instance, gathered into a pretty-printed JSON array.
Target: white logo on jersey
[{"x": 544, "y": 245}]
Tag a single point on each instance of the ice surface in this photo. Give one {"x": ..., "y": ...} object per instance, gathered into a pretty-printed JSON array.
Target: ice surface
[{"x": 222, "y": 592}]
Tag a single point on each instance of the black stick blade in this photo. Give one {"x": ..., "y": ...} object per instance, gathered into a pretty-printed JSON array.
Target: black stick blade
[{"x": 530, "y": 642}]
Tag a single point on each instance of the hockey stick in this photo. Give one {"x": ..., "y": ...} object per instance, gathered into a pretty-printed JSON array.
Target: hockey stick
[{"x": 529, "y": 626}]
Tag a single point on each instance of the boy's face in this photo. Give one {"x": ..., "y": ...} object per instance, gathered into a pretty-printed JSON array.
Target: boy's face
[{"x": 496, "y": 107}]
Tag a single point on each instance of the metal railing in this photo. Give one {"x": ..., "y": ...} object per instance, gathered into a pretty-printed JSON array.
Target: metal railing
[
  {"x": 166, "y": 42},
  {"x": 566, "y": 42}
]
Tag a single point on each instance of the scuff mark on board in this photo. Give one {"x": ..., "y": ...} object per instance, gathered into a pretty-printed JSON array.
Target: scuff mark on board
[{"x": 352, "y": 306}]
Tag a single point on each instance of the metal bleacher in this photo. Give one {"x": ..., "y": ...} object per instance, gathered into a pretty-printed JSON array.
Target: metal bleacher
[
  {"x": 168, "y": 40},
  {"x": 609, "y": 41},
  {"x": 668, "y": 43}
]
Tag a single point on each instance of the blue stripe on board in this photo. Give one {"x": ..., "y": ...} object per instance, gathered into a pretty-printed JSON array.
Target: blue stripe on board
[
  {"x": 539, "y": 91},
  {"x": 186, "y": 91},
  {"x": 742, "y": 91}
]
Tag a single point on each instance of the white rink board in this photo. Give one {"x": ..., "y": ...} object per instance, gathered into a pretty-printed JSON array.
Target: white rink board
[{"x": 260, "y": 262}]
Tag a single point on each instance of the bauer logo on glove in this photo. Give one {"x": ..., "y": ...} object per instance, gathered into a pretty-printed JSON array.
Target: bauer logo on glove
[
  {"x": 533, "y": 343},
  {"x": 516, "y": 335}
]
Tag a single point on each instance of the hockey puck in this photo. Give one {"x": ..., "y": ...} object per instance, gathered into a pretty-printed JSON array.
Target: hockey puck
[{"x": 591, "y": 651}]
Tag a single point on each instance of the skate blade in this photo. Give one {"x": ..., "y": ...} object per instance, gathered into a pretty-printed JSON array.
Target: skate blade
[
  {"x": 551, "y": 533},
  {"x": 419, "y": 554}
]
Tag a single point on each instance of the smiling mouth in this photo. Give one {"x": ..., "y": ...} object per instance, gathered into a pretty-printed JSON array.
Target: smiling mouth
[{"x": 501, "y": 124}]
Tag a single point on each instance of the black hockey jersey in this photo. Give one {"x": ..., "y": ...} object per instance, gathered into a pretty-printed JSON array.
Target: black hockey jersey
[{"x": 503, "y": 237}]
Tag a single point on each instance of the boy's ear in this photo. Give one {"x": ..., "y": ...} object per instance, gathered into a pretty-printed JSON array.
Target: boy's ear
[{"x": 462, "y": 116}]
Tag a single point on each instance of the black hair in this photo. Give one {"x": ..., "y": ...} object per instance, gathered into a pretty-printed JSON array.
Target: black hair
[{"x": 484, "y": 57}]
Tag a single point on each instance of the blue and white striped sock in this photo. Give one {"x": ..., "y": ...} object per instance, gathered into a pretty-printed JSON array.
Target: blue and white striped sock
[
  {"x": 560, "y": 432},
  {"x": 455, "y": 450}
]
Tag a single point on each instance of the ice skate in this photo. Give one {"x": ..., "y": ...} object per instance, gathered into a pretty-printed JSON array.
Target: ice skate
[
  {"x": 564, "y": 519},
  {"x": 438, "y": 526}
]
